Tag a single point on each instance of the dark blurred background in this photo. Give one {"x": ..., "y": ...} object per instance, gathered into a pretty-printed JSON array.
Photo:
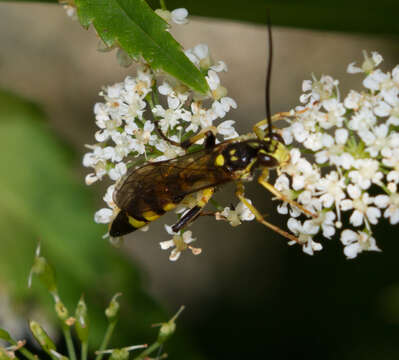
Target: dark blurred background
[{"x": 248, "y": 295}]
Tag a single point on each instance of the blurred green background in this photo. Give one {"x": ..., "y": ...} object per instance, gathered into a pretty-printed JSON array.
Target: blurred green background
[{"x": 248, "y": 294}]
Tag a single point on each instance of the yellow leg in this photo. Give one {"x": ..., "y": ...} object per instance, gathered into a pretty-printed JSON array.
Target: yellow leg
[
  {"x": 263, "y": 181},
  {"x": 278, "y": 116},
  {"x": 195, "y": 211},
  {"x": 208, "y": 131},
  {"x": 240, "y": 194}
]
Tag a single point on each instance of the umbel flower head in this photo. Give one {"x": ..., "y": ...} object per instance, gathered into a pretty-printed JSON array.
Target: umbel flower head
[{"x": 352, "y": 146}]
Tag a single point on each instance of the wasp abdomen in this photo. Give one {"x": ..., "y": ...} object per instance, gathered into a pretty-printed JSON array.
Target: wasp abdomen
[{"x": 124, "y": 224}]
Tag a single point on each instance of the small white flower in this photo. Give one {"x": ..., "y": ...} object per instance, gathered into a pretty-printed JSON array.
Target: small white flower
[
  {"x": 391, "y": 203},
  {"x": 124, "y": 145},
  {"x": 369, "y": 63},
  {"x": 335, "y": 111},
  {"x": 239, "y": 214},
  {"x": 331, "y": 188},
  {"x": 169, "y": 151},
  {"x": 170, "y": 118},
  {"x": 142, "y": 137},
  {"x": 108, "y": 197},
  {"x": 377, "y": 140},
  {"x": 392, "y": 161},
  {"x": 219, "y": 67},
  {"x": 353, "y": 100},
  {"x": 367, "y": 173},
  {"x": 118, "y": 171},
  {"x": 200, "y": 117},
  {"x": 179, "y": 16},
  {"x": 305, "y": 233},
  {"x": 98, "y": 160},
  {"x": 362, "y": 120},
  {"x": 322, "y": 89},
  {"x": 176, "y": 99},
  {"x": 179, "y": 243},
  {"x": 103, "y": 216},
  {"x": 360, "y": 203},
  {"x": 282, "y": 184},
  {"x": 326, "y": 220},
  {"x": 133, "y": 106},
  {"x": 71, "y": 11},
  {"x": 227, "y": 130},
  {"x": 356, "y": 242},
  {"x": 375, "y": 80}
]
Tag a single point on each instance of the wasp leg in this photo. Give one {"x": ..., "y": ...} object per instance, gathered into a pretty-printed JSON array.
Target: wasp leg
[
  {"x": 163, "y": 136},
  {"x": 263, "y": 181},
  {"x": 209, "y": 133},
  {"x": 195, "y": 211},
  {"x": 278, "y": 116},
  {"x": 187, "y": 218},
  {"x": 240, "y": 191}
]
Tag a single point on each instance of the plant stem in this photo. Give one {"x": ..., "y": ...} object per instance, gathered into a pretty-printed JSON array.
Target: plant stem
[
  {"x": 163, "y": 5},
  {"x": 68, "y": 339},
  {"x": 107, "y": 337},
  {"x": 83, "y": 355},
  {"x": 26, "y": 352},
  {"x": 148, "y": 351}
]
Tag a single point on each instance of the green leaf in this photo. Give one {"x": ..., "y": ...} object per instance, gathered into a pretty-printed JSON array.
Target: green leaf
[
  {"x": 133, "y": 26},
  {"x": 4, "y": 335},
  {"x": 42, "y": 198}
]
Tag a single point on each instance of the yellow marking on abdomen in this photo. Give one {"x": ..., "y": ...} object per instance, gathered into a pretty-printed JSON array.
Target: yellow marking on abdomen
[
  {"x": 169, "y": 206},
  {"x": 150, "y": 215},
  {"x": 232, "y": 151},
  {"x": 234, "y": 158},
  {"x": 136, "y": 223},
  {"x": 219, "y": 161}
]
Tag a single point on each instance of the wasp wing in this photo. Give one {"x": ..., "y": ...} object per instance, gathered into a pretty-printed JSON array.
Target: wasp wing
[{"x": 155, "y": 185}]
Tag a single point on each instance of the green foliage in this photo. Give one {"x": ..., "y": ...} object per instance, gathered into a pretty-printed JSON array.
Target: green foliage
[
  {"x": 338, "y": 15},
  {"x": 41, "y": 198},
  {"x": 4, "y": 335},
  {"x": 133, "y": 26}
]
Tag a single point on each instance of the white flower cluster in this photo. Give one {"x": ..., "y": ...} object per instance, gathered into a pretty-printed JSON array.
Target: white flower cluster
[
  {"x": 127, "y": 133},
  {"x": 353, "y": 147},
  {"x": 351, "y": 173}
]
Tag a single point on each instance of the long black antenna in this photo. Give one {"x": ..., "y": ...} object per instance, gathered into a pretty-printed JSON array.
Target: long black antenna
[{"x": 268, "y": 76}]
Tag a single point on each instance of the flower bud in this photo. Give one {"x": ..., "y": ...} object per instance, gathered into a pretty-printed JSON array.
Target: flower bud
[
  {"x": 61, "y": 310},
  {"x": 41, "y": 336},
  {"x": 82, "y": 321},
  {"x": 167, "y": 329},
  {"x": 112, "y": 310},
  {"x": 119, "y": 354},
  {"x": 44, "y": 271}
]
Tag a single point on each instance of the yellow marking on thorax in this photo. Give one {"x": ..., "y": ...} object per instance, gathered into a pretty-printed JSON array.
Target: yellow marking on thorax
[
  {"x": 281, "y": 154},
  {"x": 169, "y": 206},
  {"x": 136, "y": 223},
  {"x": 150, "y": 215},
  {"x": 253, "y": 145},
  {"x": 245, "y": 173},
  {"x": 219, "y": 161},
  {"x": 234, "y": 158},
  {"x": 232, "y": 151}
]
